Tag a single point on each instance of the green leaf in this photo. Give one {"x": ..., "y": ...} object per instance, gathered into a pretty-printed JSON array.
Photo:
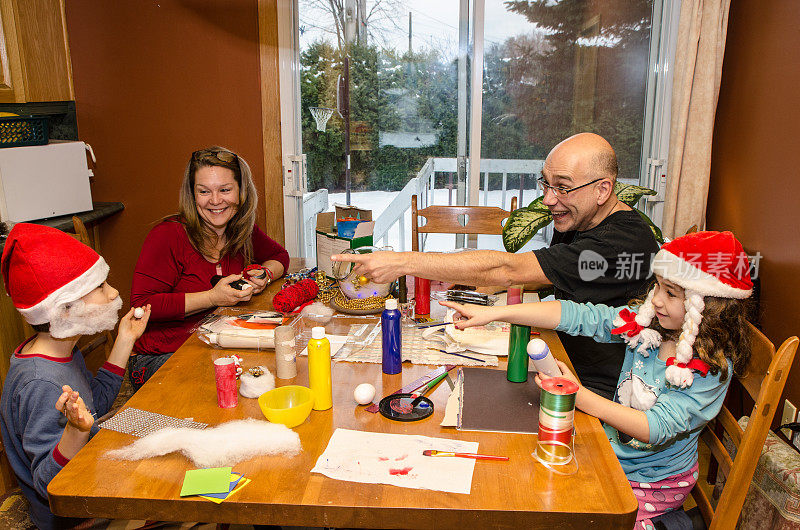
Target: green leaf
[
  {"x": 656, "y": 231},
  {"x": 523, "y": 224},
  {"x": 630, "y": 194}
]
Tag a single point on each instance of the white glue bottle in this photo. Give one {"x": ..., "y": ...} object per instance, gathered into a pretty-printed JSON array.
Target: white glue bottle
[{"x": 543, "y": 360}]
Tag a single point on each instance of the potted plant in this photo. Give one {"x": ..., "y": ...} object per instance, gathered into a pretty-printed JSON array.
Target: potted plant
[{"x": 524, "y": 223}]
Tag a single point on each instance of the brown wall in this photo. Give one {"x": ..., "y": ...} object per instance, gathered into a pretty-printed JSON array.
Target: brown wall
[
  {"x": 755, "y": 167},
  {"x": 155, "y": 80}
]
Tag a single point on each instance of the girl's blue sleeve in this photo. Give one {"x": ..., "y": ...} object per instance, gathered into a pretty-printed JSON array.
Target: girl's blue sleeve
[{"x": 589, "y": 320}]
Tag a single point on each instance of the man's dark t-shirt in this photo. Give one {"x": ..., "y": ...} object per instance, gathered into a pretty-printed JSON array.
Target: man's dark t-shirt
[{"x": 608, "y": 264}]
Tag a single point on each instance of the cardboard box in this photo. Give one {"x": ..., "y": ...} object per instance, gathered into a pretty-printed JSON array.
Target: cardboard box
[{"x": 329, "y": 243}]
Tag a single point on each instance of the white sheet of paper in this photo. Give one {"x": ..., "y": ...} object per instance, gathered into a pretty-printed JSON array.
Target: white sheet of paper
[{"x": 396, "y": 459}]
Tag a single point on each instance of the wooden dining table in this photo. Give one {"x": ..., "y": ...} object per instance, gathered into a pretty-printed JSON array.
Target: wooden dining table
[{"x": 283, "y": 491}]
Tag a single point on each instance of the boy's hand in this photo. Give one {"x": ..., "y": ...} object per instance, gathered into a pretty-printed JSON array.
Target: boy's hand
[
  {"x": 130, "y": 327},
  {"x": 72, "y": 406},
  {"x": 566, "y": 373},
  {"x": 473, "y": 315}
]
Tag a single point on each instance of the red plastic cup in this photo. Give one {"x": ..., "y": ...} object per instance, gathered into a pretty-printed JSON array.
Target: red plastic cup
[
  {"x": 422, "y": 297},
  {"x": 225, "y": 375},
  {"x": 514, "y": 295}
]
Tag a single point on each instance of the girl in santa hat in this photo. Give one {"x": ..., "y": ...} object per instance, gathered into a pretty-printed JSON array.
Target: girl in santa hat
[{"x": 685, "y": 341}]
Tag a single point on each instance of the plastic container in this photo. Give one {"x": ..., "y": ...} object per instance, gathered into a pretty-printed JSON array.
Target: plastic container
[
  {"x": 347, "y": 227},
  {"x": 422, "y": 297},
  {"x": 319, "y": 369},
  {"x": 392, "y": 338},
  {"x": 542, "y": 358},
  {"x": 19, "y": 131},
  {"x": 289, "y": 405}
]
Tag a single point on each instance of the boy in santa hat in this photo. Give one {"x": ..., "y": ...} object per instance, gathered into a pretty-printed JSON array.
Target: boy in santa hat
[{"x": 50, "y": 400}]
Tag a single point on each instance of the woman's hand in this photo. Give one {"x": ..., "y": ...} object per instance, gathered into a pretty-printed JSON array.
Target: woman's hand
[
  {"x": 72, "y": 406},
  {"x": 224, "y": 295},
  {"x": 259, "y": 284},
  {"x": 472, "y": 315},
  {"x": 130, "y": 327}
]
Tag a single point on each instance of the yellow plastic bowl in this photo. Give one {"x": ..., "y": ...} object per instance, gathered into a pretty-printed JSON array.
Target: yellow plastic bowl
[{"x": 289, "y": 405}]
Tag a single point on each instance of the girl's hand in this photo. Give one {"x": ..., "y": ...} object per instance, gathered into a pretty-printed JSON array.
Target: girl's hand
[
  {"x": 566, "y": 373},
  {"x": 72, "y": 406},
  {"x": 130, "y": 327},
  {"x": 473, "y": 315},
  {"x": 224, "y": 295}
]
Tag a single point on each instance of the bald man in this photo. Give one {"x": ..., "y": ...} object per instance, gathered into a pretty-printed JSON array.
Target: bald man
[{"x": 600, "y": 252}]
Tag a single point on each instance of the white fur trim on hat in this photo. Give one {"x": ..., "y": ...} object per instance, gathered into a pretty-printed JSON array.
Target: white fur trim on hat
[
  {"x": 43, "y": 312},
  {"x": 675, "y": 269}
]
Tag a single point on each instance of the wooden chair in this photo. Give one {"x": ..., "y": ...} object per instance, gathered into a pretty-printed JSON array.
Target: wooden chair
[
  {"x": 104, "y": 340},
  {"x": 764, "y": 380},
  {"x": 446, "y": 220}
]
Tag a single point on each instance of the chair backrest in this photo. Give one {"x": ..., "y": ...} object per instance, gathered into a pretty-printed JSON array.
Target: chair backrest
[
  {"x": 764, "y": 380},
  {"x": 447, "y": 220},
  {"x": 81, "y": 234}
]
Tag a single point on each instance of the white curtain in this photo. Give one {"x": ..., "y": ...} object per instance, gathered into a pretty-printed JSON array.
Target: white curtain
[{"x": 695, "y": 91}]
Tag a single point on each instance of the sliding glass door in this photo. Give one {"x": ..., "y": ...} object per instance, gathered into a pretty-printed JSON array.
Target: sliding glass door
[{"x": 389, "y": 98}]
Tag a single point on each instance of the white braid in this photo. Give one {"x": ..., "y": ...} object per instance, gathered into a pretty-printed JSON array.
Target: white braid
[
  {"x": 694, "y": 304},
  {"x": 646, "y": 311}
]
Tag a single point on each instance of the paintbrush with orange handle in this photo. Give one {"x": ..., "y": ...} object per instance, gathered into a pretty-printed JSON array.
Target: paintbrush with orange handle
[{"x": 434, "y": 452}]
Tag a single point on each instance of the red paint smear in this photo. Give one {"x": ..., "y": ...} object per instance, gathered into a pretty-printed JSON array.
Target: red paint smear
[
  {"x": 383, "y": 458},
  {"x": 401, "y": 458},
  {"x": 403, "y": 471}
]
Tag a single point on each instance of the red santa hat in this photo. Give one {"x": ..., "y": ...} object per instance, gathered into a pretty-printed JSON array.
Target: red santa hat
[
  {"x": 44, "y": 269},
  {"x": 704, "y": 264}
]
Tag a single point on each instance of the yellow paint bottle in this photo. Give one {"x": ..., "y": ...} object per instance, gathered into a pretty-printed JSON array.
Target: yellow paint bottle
[{"x": 319, "y": 369}]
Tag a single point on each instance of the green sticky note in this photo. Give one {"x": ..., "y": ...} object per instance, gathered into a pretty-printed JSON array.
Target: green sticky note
[{"x": 202, "y": 481}]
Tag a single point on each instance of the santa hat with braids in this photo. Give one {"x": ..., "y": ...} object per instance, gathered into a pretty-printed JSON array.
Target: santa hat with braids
[{"x": 704, "y": 264}]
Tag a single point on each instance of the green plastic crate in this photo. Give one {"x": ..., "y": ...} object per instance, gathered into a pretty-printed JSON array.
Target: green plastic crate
[{"x": 19, "y": 131}]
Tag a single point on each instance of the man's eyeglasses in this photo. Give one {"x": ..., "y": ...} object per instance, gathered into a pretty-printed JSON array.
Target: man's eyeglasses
[
  {"x": 561, "y": 191},
  {"x": 223, "y": 156}
]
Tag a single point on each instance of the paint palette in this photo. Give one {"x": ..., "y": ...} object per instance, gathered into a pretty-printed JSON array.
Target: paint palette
[{"x": 405, "y": 407}]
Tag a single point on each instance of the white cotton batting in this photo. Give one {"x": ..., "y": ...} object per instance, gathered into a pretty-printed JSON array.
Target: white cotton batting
[
  {"x": 224, "y": 445},
  {"x": 317, "y": 312},
  {"x": 253, "y": 386}
]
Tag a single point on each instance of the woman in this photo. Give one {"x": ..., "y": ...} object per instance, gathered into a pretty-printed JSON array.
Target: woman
[{"x": 214, "y": 234}]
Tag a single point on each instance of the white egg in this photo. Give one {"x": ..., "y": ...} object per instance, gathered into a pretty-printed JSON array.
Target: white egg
[
  {"x": 364, "y": 393},
  {"x": 138, "y": 312}
]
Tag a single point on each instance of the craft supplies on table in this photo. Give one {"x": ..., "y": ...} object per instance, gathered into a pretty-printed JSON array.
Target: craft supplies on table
[
  {"x": 285, "y": 352},
  {"x": 556, "y": 424},
  {"x": 140, "y": 423},
  {"x": 319, "y": 369},
  {"x": 416, "y": 384},
  {"x": 225, "y": 378},
  {"x": 422, "y": 297},
  {"x": 491, "y": 403},
  {"x": 391, "y": 337},
  {"x": 415, "y": 349},
  {"x": 397, "y": 459},
  {"x": 240, "y": 328}
]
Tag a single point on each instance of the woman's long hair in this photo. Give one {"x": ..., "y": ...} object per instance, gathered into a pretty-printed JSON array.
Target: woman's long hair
[{"x": 239, "y": 230}]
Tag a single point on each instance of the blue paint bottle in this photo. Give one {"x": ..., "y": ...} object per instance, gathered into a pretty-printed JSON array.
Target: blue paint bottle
[{"x": 390, "y": 329}]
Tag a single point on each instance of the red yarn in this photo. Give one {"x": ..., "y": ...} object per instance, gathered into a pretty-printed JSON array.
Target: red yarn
[{"x": 290, "y": 298}]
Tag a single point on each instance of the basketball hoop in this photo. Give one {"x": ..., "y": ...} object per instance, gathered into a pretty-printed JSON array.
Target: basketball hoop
[{"x": 321, "y": 116}]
